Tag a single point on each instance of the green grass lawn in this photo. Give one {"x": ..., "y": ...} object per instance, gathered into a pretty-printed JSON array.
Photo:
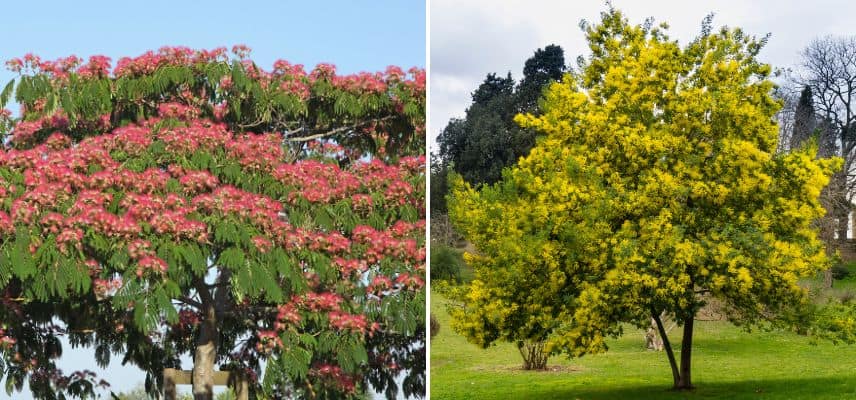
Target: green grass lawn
[{"x": 728, "y": 363}]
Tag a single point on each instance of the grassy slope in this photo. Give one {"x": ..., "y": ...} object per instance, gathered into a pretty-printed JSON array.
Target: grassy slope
[{"x": 728, "y": 363}]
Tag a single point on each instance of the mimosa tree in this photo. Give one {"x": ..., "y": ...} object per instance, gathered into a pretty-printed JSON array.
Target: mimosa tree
[
  {"x": 656, "y": 188},
  {"x": 191, "y": 203}
]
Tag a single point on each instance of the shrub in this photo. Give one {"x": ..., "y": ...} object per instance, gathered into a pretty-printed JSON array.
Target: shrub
[
  {"x": 445, "y": 263},
  {"x": 435, "y": 326},
  {"x": 842, "y": 271}
]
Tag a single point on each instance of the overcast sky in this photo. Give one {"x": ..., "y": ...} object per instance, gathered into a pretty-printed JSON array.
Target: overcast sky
[{"x": 469, "y": 39}]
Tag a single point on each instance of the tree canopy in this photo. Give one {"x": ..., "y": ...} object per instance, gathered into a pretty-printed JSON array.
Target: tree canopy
[
  {"x": 656, "y": 188},
  {"x": 487, "y": 140},
  {"x": 189, "y": 202}
]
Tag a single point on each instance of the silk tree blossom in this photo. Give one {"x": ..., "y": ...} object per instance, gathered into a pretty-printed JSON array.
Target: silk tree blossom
[
  {"x": 151, "y": 264},
  {"x": 140, "y": 202},
  {"x": 335, "y": 374}
]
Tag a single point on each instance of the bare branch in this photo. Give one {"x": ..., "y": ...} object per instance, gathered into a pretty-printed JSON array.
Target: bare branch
[{"x": 339, "y": 130}]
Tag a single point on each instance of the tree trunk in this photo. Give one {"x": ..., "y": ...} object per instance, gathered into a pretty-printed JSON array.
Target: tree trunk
[
  {"x": 827, "y": 278},
  {"x": 681, "y": 376},
  {"x": 842, "y": 206},
  {"x": 676, "y": 375},
  {"x": 653, "y": 341},
  {"x": 685, "y": 379},
  {"x": 205, "y": 356},
  {"x": 534, "y": 357},
  {"x": 843, "y": 217}
]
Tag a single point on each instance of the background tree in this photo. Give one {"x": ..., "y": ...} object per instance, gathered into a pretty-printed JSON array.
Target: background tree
[
  {"x": 828, "y": 69},
  {"x": 487, "y": 140},
  {"x": 547, "y": 65},
  {"x": 806, "y": 129},
  {"x": 439, "y": 186},
  {"x": 191, "y": 203},
  {"x": 805, "y": 121},
  {"x": 656, "y": 188}
]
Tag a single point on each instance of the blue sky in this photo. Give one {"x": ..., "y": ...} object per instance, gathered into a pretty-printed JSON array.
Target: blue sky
[{"x": 356, "y": 36}]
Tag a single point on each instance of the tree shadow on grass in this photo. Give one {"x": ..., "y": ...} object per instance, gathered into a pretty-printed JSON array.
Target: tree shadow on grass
[{"x": 832, "y": 388}]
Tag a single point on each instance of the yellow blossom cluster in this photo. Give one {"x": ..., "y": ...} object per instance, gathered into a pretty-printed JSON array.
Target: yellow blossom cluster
[{"x": 655, "y": 185}]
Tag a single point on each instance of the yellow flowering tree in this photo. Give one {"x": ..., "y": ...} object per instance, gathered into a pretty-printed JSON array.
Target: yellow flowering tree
[{"x": 655, "y": 189}]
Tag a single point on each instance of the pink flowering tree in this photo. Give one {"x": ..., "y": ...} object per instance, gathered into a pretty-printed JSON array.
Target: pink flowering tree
[{"x": 192, "y": 203}]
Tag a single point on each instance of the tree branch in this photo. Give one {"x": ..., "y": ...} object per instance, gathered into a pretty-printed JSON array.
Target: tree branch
[{"x": 338, "y": 130}]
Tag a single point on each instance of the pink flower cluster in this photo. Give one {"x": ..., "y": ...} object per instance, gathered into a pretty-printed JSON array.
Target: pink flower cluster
[
  {"x": 131, "y": 139},
  {"x": 242, "y": 51},
  {"x": 402, "y": 229},
  {"x": 195, "y": 182},
  {"x": 362, "y": 203},
  {"x": 150, "y": 61},
  {"x": 263, "y": 244},
  {"x": 25, "y": 131},
  {"x": 151, "y": 264},
  {"x": 380, "y": 244},
  {"x": 297, "y": 87},
  {"x": 7, "y": 225},
  {"x": 316, "y": 181},
  {"x": 166, "y": 214},
  {"x": 362, "y": 82},
  {"x": 323, "y": 71},
  {"x": 140, "y": 248},
  {"x": 268, "y": 341},
  {"x": 97, "y": 67},
  {"x": 199, "y": 135},
  {"x": 347, "y": 267},
  {"x": 409, "y": 282},
  {"x": 256, "y": 152},
  {"x": 334, "y": 375},
  {"x": 6, "y": 342},
  {"x": 257, "y": 209},
  {"x": 70, "y": 239},
  {"x": 285, "y": 68},
  {"x": 398, "y": 192},
  {"x": 286, "y": 315},
  {"x": 58, "y": 68},
  {"x": 178, "y": 111},
  {"x": 380, "y": 286},
  {"x": 343, "y": 321},
  {"x": 315, "y": 302},
  {"x": 104, "y": 288}
]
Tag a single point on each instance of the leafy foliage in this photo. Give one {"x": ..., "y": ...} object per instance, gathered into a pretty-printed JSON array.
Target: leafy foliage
[
  {"x": 144, "y": 213},
  {"x": 479, "y": 146},
  {"x": 445, "y": 263},
  {"x": 656, "y": 188}
]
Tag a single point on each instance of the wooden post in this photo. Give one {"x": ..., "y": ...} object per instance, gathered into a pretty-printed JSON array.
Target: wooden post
[
  {"x": 240, "y": 385},
  {"x": 237, "y": 381},
  {"x": 169, "y": 392}
]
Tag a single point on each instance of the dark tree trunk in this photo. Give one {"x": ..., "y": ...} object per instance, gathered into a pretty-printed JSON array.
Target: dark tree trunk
[
  {"x": 685, "y": 381},
  {"x": 841, "y": 206},
  {"x": 676, "y": 375},
  {"x": 681, "y": 375},
  {"x": 843, "y": 219}
]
